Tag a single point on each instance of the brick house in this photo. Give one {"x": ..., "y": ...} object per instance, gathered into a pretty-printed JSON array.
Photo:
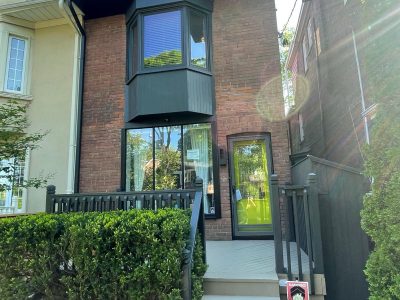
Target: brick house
[
  {"x": 166, "y": 91},
  {"x": 178, "y": 89},
  {"x": 332, "y": 115}
]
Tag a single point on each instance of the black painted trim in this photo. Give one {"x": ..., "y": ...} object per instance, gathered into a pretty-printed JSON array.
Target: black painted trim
[
  {"x": 80, "y": 93},
  {"x": 270, "y": 165},
  {"x": 143, "y": 5},
  {"x": 123, "y": 161}
]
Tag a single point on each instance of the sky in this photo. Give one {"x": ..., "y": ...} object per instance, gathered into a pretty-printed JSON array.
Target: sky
[{"x": 284, "y": 7}]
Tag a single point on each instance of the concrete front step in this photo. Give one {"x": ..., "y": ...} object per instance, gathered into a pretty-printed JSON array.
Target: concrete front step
[
  {"x": 241, "y": 287},
  {"x": 241, "y": 268},
  {"x": 216, "y": 297}
]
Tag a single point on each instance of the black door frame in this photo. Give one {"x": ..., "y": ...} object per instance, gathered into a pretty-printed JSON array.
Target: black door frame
[{"x": 266, "y": 136}]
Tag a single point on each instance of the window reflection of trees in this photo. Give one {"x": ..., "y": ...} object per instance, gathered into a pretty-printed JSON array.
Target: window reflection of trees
[{"x": 166, "y": 164}]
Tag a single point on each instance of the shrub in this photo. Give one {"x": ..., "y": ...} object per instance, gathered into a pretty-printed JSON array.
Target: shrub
[
  {"x": 380, "y": 215},
  {"x": 113, "y": 255}
]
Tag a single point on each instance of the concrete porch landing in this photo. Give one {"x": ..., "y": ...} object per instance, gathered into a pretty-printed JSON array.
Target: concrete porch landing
[
  {"x": 241, "y": 270},
  {"x": 241, "y": 259}
]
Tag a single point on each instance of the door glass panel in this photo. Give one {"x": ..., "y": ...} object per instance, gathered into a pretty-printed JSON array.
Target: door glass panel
[
  {"x": 168, "y": 158},
  {"x": 251, "y": 190}
]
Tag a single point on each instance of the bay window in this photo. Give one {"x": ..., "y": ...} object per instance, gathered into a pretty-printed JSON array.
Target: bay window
[
  {"x": 170, "y": 38},
  {"x": 168, "y": 60},
  {"x": 168, "y": 158}
]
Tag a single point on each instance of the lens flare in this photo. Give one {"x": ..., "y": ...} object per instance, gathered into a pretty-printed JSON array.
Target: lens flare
[{"x": 269, "y": 99}]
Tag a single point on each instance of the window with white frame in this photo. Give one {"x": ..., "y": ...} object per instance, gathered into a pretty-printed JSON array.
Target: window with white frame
[
  {"x": 305, "y": 53},
  {"x": 15, "y": 68},
  {"x": 301, "y": 127},
  {"x": 12, "y": 176}
]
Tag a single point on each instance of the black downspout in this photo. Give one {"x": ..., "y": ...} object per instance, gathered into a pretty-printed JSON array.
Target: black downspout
[{"x": 80, "y": 100}]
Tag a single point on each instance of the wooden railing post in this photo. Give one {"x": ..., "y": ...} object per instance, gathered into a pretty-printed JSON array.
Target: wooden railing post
[
  {"x": 187, "y": 275},
  {"x": 201, "y": 224},
  {"x": 276, "y": 224},
  {"x": 315, "y": 222},
  {"x": 50, "y": 192}
]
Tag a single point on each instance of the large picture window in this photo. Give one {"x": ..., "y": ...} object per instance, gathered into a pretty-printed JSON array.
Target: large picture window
[{"x": 163, "y": 158}]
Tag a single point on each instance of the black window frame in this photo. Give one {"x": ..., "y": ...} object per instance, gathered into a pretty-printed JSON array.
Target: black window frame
[
  {"x": 215, "y": 152},
  {"x": 138, "y": 18}
]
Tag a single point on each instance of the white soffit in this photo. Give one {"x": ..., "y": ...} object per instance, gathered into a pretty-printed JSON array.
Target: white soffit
[{"x": 33, "y": 11}]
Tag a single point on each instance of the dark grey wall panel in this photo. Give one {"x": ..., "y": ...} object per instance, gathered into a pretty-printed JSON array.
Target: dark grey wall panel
[
  {"x": 160, "y": 93},
  {"x": 200, "y": 92},
  {"x": 169, "y": 92},
  {"x": 345, "y": 245}
]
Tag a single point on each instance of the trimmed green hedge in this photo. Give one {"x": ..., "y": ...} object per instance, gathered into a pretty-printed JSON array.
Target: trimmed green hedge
[{"x": 114, "y": 255}]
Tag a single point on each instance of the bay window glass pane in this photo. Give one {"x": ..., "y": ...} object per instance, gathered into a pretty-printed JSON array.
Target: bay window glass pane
[
  {"x": 168, "y": 159},
  {"x": 198, "y": 161},
  {"x": 162, "y": 39},
  {"x": 198, "y": 54},
  {"x": 15, "y": 67},
  {"x": 139, "y": 160}
]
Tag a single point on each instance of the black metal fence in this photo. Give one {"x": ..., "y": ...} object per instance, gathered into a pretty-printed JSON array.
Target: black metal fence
[
  {"x": 297, "y": 223},
  {"x": 154, "y": 200}
]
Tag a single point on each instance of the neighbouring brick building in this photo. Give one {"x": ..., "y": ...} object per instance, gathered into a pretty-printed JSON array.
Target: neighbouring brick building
[
  {"x": 343, "y": 59},
  {"x": 178, "y": 89},
  {"x": 333, "y": 109}
]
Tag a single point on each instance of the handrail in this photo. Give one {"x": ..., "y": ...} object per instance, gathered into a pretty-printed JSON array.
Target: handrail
[
  {"x": 301, "y": 223},
  {"x": 184, "y": 199},
  {"x": 196, "y": 224}
]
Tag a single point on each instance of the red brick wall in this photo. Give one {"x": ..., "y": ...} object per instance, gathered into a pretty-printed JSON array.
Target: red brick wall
[
  {"x": 103, "y": 105},
  {"x": 248, "y": 87},
  {"x": 248, "y": 94}
]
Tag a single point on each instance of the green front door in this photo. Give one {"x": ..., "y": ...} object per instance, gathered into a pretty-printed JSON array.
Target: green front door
[{"x": 250, "y": 193}]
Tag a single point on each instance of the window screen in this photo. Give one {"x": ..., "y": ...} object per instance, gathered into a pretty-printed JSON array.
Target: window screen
[
  {"x": 16, "y": 61},
  {"x": 162, "y": 39}
]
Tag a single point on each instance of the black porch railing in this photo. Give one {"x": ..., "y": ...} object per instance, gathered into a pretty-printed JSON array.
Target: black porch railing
[
  {"x": 154, "y": 200},
  {"x": 299, "y": 207}
]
